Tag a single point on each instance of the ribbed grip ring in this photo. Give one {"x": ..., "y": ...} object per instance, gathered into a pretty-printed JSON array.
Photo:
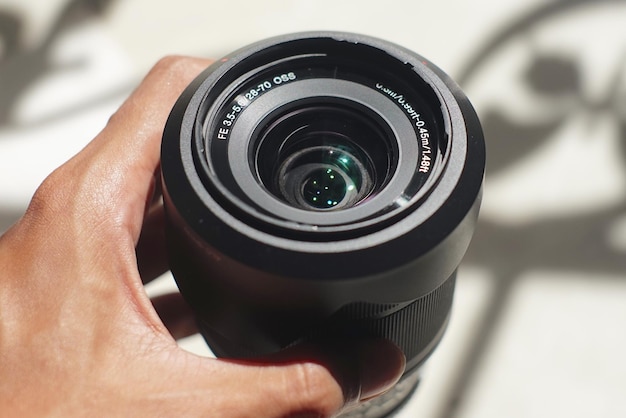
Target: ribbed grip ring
[{"x": 415, "y": 327}]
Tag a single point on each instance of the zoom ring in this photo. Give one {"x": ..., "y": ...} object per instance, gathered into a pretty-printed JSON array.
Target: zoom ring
[{"x": 415, "y": 328}]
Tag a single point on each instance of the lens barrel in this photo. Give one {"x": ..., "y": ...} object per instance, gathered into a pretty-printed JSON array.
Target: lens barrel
[{"x": 321, "y": 185}]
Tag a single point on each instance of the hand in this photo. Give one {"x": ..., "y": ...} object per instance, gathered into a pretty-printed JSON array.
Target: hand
[{"x": 80, "y": 337}]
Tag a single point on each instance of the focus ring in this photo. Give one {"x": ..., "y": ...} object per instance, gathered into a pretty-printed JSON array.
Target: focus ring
[{"x": 415, "y": 328}]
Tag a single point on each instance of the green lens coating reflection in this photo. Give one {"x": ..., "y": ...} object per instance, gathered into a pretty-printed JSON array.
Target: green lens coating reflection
[{"x": 324, "y": 188}]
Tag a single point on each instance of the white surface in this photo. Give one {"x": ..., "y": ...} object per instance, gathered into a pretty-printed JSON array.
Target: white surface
[{"x": 558, "y": 351}]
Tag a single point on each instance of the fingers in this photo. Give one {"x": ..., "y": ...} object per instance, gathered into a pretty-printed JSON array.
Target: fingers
[
  {"x": 133, "y": 135},
  {"x": 311, "y": 380},
  {"x": 84, "y": 222},
  {"x": 98, "y": 199},
  {"x": 137, "y": 126},
  {"x": 109, "y": 182},
  {"x": 363, "y": 368}
]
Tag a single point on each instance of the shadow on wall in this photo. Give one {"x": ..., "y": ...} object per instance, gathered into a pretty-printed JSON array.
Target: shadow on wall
[
  {"x": 21, "y": 66},
  {"x": 575, "y": 241}
]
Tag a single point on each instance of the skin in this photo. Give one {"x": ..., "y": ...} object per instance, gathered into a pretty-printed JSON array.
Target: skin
[{"x": 80, "y": 337}]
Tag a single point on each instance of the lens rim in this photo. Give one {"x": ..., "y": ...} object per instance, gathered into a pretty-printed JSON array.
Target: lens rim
[
  {"x": 433, "y": 234},
  {"x": 343, "y": 93}
]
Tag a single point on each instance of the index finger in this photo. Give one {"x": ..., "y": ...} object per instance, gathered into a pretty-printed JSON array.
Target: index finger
[
  {"x": 133, "y": 135},
  {"x": 125, "y": 154}
]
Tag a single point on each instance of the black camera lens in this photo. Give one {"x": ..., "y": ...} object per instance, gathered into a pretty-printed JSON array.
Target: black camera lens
[{"x": 321, "y": 185}]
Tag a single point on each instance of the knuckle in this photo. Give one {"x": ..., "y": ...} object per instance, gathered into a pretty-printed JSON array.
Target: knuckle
[
  {"x": 169, "y": 63},
  {"x": 68, "y": 193},
  {"x": 50, "y": 197},
  {"x": 159, "y": 89},
  {"x": 175, "y": 67}
]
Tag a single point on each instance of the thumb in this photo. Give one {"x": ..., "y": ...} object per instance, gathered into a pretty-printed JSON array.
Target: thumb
[{"x": 309, "y": 380}]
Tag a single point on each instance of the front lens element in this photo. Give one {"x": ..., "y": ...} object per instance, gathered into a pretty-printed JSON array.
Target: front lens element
[
  {"x": 322, "y": 178},
  {"x": 325, "y": 188}
]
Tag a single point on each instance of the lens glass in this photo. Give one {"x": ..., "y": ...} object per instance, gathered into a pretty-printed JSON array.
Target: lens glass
[
  {"x": 322, "y": 158},
  {"x": 322, "y": 178},
  {"x": 325, "y": 188}
]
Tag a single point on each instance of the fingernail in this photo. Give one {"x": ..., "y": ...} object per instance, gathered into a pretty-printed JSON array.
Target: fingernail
[{"x": 381, "y": 365}]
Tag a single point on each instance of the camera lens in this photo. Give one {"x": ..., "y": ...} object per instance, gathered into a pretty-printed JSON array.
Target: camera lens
[{"x": 321, "y": 185}]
